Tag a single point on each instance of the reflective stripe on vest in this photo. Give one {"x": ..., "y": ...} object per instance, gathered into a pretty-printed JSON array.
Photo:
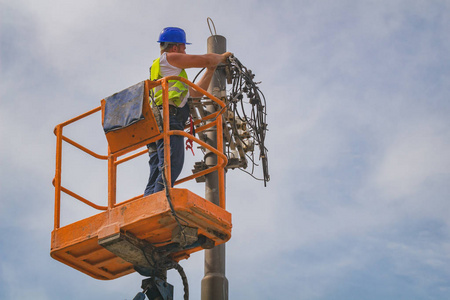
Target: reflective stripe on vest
[{"x": 177, "y": 90}]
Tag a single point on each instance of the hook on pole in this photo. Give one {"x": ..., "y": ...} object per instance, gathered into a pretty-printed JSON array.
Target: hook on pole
[{"x": 209, "y": 25}]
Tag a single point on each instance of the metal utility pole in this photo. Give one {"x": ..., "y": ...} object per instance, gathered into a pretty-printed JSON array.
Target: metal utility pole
[{"x": 214, "y": 283}]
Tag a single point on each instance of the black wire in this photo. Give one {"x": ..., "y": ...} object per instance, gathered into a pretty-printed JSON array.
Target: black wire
[
  {"x": 169, "y": 200},
  {"x": 184, "y": 279},
  {"x": 243, "y": 84},
  {"x": 193, "y": 81}
]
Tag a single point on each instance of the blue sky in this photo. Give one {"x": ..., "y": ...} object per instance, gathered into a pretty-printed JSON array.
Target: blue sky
[{"x": 358, "y": 104}]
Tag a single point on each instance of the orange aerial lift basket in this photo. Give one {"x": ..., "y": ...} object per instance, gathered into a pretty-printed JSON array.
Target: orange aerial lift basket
[{"x": 143, "y": 233}]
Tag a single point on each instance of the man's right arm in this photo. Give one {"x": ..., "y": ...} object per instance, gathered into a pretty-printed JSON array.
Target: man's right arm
[{"x": 185, "y": 61}]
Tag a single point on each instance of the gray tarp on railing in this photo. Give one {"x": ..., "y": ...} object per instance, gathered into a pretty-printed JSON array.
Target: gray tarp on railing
[{"x": 124, "y": 108}]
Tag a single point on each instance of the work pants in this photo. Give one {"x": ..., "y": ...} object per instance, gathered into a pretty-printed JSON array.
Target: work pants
[{"x": 156, "y": 153}]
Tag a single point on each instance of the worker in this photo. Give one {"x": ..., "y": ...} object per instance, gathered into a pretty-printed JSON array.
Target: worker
[{"x": 173, "y": 62}]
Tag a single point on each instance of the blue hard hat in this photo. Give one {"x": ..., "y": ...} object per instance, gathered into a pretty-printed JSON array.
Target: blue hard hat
[{"x": 173, "y": 35}]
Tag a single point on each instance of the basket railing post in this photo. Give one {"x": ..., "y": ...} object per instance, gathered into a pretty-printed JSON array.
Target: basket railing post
[
  {"x": 112, "y": 176},
  {"x": 57, "y": 180},
  {"x": 221, "y": 171},
  {"x": 166, "y": 129}
]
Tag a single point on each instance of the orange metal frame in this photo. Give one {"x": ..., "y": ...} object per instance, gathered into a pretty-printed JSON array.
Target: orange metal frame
[{"x": 212, "y": 216}]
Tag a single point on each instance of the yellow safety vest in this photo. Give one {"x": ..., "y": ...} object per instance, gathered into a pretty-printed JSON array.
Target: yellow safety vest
[{"x": 177, "y": 89}]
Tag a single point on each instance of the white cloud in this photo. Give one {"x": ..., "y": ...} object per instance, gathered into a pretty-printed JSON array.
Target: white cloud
[{"x": 417, "y": 153}]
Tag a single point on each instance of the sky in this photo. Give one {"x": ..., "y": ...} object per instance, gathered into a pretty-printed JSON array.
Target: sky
[{"x": 358, "y": 103}]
